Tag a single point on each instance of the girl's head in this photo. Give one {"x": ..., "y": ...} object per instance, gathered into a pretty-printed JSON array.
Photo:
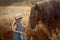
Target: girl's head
[{"x": 18, "y": 17}]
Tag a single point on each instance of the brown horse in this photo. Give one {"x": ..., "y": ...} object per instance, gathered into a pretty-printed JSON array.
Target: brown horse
[
  {"x": 44, "y": 17},
  {"x": 47, "y": 12}
]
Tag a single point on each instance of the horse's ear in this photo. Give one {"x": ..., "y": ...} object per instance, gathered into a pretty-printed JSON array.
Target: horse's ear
[{"x": 36, "y": 6}]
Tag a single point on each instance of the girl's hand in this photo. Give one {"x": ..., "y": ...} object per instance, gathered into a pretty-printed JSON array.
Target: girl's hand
[{"x": 21, "y": 32}]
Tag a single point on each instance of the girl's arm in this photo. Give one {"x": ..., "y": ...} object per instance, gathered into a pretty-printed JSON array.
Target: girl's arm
[{"x": 14, "y": 29}]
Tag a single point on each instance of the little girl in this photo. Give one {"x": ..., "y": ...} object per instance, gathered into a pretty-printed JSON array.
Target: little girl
[{"x": 17, "y": 27}]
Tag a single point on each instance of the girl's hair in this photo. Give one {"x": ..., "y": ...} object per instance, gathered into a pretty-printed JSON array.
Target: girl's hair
[{"x": 14, "y": 22}]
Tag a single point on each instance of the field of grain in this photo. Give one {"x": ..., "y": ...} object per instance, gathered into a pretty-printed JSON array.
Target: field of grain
[{"x": 7, "y": 17}]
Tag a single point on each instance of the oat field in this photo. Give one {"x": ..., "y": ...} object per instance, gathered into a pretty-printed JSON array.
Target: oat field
[{"x": 7, "y": 17}]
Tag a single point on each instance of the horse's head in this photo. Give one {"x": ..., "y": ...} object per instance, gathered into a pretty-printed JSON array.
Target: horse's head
[{"x": 47, "y": 13}]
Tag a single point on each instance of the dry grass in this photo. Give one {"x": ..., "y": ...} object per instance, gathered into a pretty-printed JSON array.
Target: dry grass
[{"x": 7, "y": 19}]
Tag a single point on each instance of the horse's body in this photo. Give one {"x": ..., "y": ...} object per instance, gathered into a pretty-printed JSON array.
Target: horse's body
[{"x": 44, "y": 17}]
